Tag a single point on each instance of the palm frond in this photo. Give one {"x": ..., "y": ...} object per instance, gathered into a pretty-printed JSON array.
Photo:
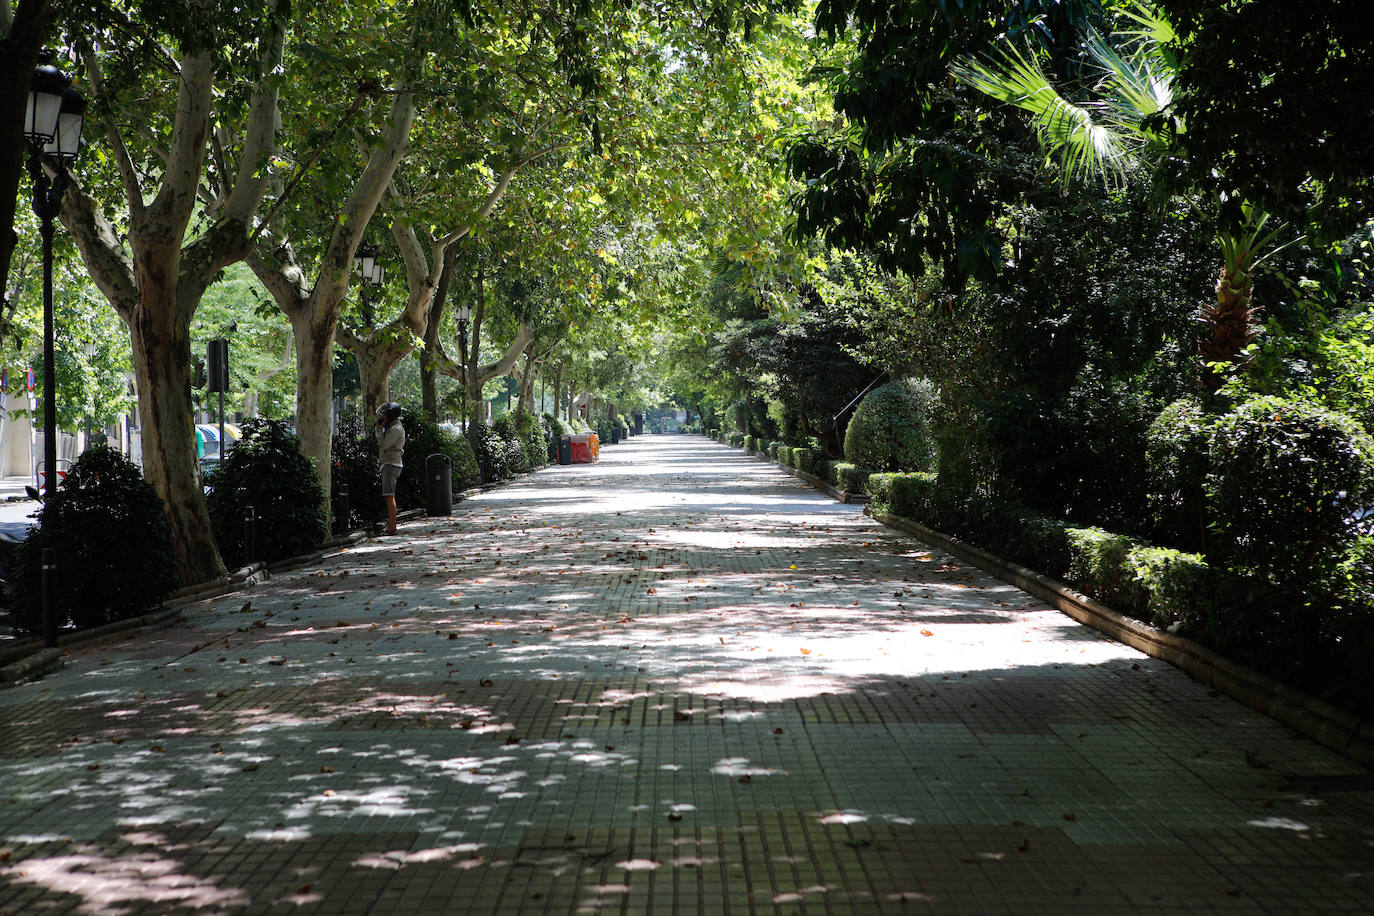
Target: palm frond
[
  {"x": 1080, "y": 136},
  {"x": 1154, "y": 27}
]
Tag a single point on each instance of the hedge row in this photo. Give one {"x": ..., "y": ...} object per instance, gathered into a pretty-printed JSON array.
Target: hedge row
[
  {"x": 1316, "y": 642},
  {"x": 812, "y": 459}
]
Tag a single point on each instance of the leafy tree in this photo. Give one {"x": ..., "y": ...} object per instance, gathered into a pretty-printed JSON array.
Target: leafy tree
[
  {"x": 904, "y": 172},
  {"x": 1119, "y": 125},
  {"x": 169, "y": 77},
  {"x": 1264, "y": 103}
]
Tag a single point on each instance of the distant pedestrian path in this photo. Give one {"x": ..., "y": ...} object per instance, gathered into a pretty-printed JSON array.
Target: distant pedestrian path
[{"x": 676, "y": 681}]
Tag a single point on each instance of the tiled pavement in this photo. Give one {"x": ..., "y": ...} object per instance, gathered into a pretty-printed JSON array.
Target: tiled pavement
[{"x": 674, "y": 682}]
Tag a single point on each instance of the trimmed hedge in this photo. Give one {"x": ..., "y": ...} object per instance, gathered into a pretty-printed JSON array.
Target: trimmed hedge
[
  {"x": 1316, "y": 642},
  {"x": 890, "y": 430},
  {"x": 848, "y": 477}
]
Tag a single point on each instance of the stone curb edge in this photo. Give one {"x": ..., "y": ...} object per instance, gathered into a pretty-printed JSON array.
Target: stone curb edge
[
  {"x": 29, "y": 659},
  {"x": 1333, "y": 728}
]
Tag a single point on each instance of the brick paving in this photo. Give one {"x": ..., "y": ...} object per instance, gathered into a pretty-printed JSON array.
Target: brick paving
[{"x": 674, "y": 682}]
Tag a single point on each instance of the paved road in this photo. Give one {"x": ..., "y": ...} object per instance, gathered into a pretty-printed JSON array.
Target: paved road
[{"x": 674, "y": 682}]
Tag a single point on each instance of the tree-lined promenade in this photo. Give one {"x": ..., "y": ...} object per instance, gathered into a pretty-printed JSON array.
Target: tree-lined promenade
[
  {"x": 1084, "y": 284},
  {"x": 675, "y": 681}
]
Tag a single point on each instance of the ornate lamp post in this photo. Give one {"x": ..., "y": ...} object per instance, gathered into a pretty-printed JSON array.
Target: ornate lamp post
[
  {"x": 373, "y": 275},
  {"x": 464, "y": 316},
  {"x": 92, "y": 349},
  {"x": 52, "y": 125}
]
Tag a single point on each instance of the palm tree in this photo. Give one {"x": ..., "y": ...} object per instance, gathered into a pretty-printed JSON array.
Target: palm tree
[{"x": 1110, "y": 131}]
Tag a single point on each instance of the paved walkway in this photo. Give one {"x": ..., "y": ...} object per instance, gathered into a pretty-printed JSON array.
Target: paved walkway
[{"x": 674, "y": 682}]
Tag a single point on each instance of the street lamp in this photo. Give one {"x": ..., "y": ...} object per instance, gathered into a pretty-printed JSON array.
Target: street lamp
[
  {"x": 92, "y": 348},
  {"x": 52, "y": 126},
  {"x": 372, "y": 274},
  {"x": 464, "y": 316}
]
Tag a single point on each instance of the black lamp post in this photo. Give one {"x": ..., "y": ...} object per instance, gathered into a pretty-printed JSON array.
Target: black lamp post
[
  {"x": 373, "y": 275},
  {"x": 52, "y": 125},
  {"x": 92, "y": 348},
  {"x": 464, "y": 316}
]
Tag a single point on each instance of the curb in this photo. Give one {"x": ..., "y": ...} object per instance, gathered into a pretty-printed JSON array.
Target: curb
[{"x": 1330, "y": 727}]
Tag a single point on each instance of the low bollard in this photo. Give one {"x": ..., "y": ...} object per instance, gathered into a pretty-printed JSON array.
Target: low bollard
[
  {"x": 49, "y": 564},
  {"x": 341, "y": 510},
  {"x": 250, "y": 535}
]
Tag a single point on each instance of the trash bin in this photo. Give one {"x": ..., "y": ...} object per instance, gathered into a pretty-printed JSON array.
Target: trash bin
[
  {"x": 565, "y": 450},
  {"x": 438, "y": 485}
]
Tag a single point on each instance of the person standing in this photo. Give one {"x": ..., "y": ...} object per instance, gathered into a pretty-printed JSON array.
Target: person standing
[{"x": 391, "y": 441}]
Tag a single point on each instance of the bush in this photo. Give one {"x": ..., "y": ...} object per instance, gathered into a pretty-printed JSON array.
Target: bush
[
  {"x": 423, "y": 439},
  {"x": 553, "y": 430},
  {"x": 603, "y": 429},
  {"x": 532, "y": 441},
  {"x": 848, "y": 477},
  {"x": 809, "y": 460},
  {"x": 1176, "y": 446},
  {"x": 353, "y": 454},
  {"x": 891, "y": 429},
  {"x": 1177, "y": 588},
  {"x": 115, "y": 554},
  {"x": 267, "y": 471},
  {"x": 1284, "y": 483},
  {"x": 1097, "y": 566},
  {"x": 1007, "y": 529},
  {"x": 498, "y": 457}
]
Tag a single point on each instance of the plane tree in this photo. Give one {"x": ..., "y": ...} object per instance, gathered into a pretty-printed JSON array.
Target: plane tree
[{"x": 156, "y": 216}]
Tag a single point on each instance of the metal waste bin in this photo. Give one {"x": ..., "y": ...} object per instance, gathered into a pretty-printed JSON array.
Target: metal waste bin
[
  {"x": 565, "y": 450},
  {"x": 438, "y": 485}
]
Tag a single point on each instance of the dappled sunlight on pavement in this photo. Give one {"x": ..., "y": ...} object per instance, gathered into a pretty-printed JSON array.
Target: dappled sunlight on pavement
[{"x": 673, "y": 681}]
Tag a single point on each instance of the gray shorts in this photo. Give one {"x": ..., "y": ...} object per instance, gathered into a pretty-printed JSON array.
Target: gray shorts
[{"x": 390, "y": 474}]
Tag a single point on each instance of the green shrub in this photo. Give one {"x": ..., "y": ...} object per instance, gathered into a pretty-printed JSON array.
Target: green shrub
[
  {"x": 891, "y": 429},
  {"x": 512, "y": 443},
  {"x": 773, "y": 448},
  {"x": 1006, "y": 529},
  {"x": 1176, "y": 460},
  {"x": 424, "y": 438},
  {"x": 603, "y": 429},
  {"x": 809, "y": 460},
  {"x": 1283, "y": 485},
  {"x": 848, "y": 477},
  {"x": 353, "y": 454},
  {"x": 1177, "y": 588},
  {"x": 267, "y": 471},
  {"x": 115, "y": 554},
  {"x": 554, "y": 431},
  {"x": 493, "y": 454},
  {"x": 1097, "y": 566},
  {"x": 532, "y": 441},
  {"x": 737, "y": 440}
]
